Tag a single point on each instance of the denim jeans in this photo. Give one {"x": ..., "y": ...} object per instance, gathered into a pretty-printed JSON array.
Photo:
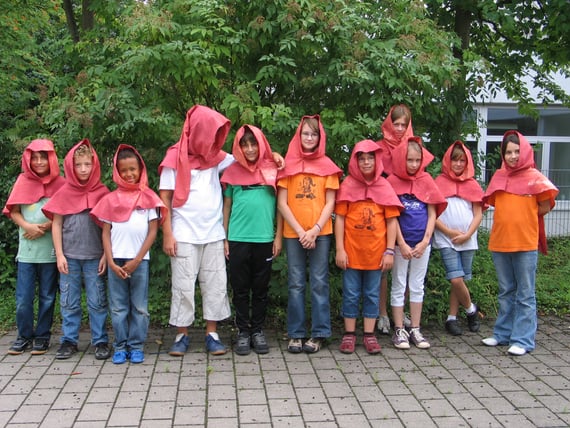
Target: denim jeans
[
  {"x": 128, "y": 304},
  {"x": 458, "y": 264},
  {"x": 70, "y": 286},
  {"x": 517, "y": 320},
  {"x": 318, "y": 259},
  {"x": 357, "y": 284},
  {"x": 46, "y": 276}
]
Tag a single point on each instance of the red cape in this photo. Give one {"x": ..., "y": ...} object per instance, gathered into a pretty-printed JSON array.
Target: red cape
[
  {"x": 118, "y": 205},
  {"x": 74, "y": 197},
  {"x": 356, "y": 188},
  {"x": 200, "y": 147},
  {"x": 264, "y": 171},
  {"x": 389, "y": 140},
  {"x": 29, "y": 187}
]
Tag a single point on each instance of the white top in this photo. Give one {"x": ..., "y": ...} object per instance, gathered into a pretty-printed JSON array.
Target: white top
[
  {"x": 200, "y": 219},
  {"x": 127, "y": 237},
  {"x": 457, "y": 215}
]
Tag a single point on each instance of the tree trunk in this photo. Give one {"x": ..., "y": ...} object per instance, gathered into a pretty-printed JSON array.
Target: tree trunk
[
  {"x": 87, "y": 15},
  {"x": 70, "y": 18}
]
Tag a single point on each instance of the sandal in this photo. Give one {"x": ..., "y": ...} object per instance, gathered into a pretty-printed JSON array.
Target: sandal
[
  {"x": 312, "y": 345},
  {"x": 348, "y": 343},
  {"x": 295, "y": 346},
  {"x": 371, "y": 344}
]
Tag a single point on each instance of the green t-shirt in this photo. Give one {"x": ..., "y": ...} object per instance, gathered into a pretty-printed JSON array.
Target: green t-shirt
[
  {"x": 253, "y": 213},
  {"x": 37, "y": 250}
]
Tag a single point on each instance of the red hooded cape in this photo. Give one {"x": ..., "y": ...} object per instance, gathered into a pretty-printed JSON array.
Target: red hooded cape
[
  {"x": 264, "y": 171},
  {"x": 200, "y": 147},
  {"x": 316, "y": 163},
  {"x": 74, "y": 197},
  {"x": 464, "y": 186},
  {"x": 421, "y": 184},
  {"x": 356, "y": 188},
  {"x": 389, "y": 140},
  {"x": 523, "y": 179},
  {"x": 118, "y": 205},
  {"x": 29, "y": 187}
]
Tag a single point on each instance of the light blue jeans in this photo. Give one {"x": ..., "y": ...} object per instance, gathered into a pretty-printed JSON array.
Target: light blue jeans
[
  {"x": 360, "y": 284},
  {"x": 128, "y": 304},
  {"x": 318, "y": 260},
  {"x": 70, "y": 286},
  {"x": 517, "y": 320}
]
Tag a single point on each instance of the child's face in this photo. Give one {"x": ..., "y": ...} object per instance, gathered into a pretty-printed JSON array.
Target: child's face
[
  {"x": 129, "y": 170},
  {"x": 367, "y": 165},
  {"x": 250, "y": 150},
  {"x": 413, "y": 161},
  {"x": 39, "y": 164},
  {"x": 458, "y": 165},
  {"x": 512, "y": 153},
  {"x": 400, "y": 126},
  {"x": 83, "y": 165},
  {"x": 309, "y": 138}
]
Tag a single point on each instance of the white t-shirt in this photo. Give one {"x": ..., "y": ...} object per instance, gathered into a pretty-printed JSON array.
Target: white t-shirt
[
  {"x": 127, "y": 237},
  {"x": 200, "y": 219},
  {"x": 457, "y": 215}
]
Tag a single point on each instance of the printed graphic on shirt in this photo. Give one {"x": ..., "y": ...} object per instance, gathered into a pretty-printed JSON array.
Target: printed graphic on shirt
[
  {"x": 305, "y": 189},
  {"x": 367, "y": 220}
]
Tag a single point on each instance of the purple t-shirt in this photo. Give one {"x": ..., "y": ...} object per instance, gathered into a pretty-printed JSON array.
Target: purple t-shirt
[{"x": 413, "y": 220}]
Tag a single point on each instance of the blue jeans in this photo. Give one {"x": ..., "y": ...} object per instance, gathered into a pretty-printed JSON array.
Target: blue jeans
[
  {"x": 46, "y": 276},
  {"x": 318, "y": 259},
  {"x": 517, "y": 320},
  {"x": 70, "y": 286},
  {"x": 128, "y": 303},
  {"x": 357, "y": 284},
  {"x": 458, "y": 264}
]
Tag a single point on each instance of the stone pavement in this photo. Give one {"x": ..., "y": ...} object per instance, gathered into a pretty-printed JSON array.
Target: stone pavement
[{"x": 456, "y": 383}]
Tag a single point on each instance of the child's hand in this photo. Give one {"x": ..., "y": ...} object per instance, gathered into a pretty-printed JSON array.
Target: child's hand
[
  {"x": 387, "y": 262},
  {"x": 62, "y": 264},
  {"x": 130, "y": 266},
  {"x": 460, "y": 239},
  {"x": 309, "y": 238},
  {"x": 453, "y": 233},
  {"x": 278, "y": 159},
  {"x": 277, "y": 246},
  {"x": 341, "y": 259},
  {"x": 33, "y": 231},
  {"x": 169, "y": 245},
  {"x": 119, "y": 271},
  {"x": 102, "y": 265},
  {"x": 419, "y": 249},
  {"x": 406, "y": 251}
]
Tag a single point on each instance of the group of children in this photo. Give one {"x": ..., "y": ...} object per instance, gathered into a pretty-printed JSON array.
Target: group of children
[{"x": 243, "y": 207}]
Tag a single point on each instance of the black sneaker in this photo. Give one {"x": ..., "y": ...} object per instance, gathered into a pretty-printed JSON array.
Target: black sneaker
[
  {"x": 66, "y": 350},
  {"x": 453, "y": 327},
  {"x": 473, "y": 321},
  {"x": 102, "y": 351},
  {"x": 259, "y": 343},
  {"x": 41, "y": 346},
  {"x": 242, "y": 345},
  {"x": 20, "y": 346}
]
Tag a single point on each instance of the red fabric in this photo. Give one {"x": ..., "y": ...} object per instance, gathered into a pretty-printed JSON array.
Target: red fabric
[
  {"x": 421, "y": 184},
  {"x": 389, "y": 140},
  {"x": 200, "y": 147},
  {"x": 118, "y": 205},
  {"x": 241, "y": 172},
  {"x": 316, "y": 163},
  {"x": 464, "y": 186},
  {"x": 523, "y": 179},
  {"x": 29, "y": 187},
  {"x": 74, "y": 197},
  {"x": 356, "y": 188}
]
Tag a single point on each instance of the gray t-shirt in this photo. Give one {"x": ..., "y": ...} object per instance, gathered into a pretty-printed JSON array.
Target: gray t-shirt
[{"x": 81, "y": 237}]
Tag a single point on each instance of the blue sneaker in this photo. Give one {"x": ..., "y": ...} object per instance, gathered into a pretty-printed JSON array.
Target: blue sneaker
[
  {"x": 137, "y": 356},
  {"x": 214, "y": 346},
  {"x": 180, "y": 346},
  {"x": 119, "y": 357}
]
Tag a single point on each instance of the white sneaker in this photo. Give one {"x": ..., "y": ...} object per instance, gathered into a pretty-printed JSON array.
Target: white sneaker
[
  {"x": 490, "y": 341},
  {"x": 516, "y": 350},
  {"x": 384, "y": 324}
]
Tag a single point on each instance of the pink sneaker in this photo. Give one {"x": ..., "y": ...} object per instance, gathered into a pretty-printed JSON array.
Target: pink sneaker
[
  {"x": 371, "y": 344},
  {"x": 348, "y": 343}
]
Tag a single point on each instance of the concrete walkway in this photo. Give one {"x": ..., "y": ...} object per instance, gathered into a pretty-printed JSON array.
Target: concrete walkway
[{"x": 456, "y": 383}]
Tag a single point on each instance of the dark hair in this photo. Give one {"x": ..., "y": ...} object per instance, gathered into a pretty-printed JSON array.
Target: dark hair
[
  {"x": 128, "y": 153},
  {"x": 401, "y": 110},
  {"x": 247, "y": 137},
  {"x": 509, "y": 138}
]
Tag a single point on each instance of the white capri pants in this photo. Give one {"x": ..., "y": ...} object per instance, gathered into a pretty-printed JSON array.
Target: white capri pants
[{"x": 411, "y": 272}]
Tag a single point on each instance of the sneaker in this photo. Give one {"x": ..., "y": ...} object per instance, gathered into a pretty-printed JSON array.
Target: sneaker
[
  {"x": 242, "y": 345},
  {"x": 295, "y": 346},
  {"x": 259, "y": 343},
  {"x": 66, "y": 350},
  {"x": 453, "y": 327},
  {"x": 120, "y": 357},
  {"x": 418, "y": 339},
  {"x": 20, "y": 346},
  {"x": 490, "y": 341},
  {"x": 180, "y": 345},
  {"x": 136, "y": 356},
  {"x": 102, "y": 351},
  {"x": 516, "y": 350},
  {"x": 40, "y": 347},
  {"x": 214, "y": 345},
  {"x": 384, "y": 324},
  {"x": 400, "y": 339},
  {"x": 473, "y": 321},
  {"x": 348, "y": 343},
  {"x": 312, "y": 345},
  {"x": 371, "y": 344}
]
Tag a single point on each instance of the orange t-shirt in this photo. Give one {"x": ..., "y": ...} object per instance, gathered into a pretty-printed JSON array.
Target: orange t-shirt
[
  {"x": 306, "y": 196},
  {"x": 365, "y": 232},
  {"x": 515, "y": 222}
]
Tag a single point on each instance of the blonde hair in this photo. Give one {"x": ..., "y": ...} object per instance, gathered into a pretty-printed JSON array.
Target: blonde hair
[
  {"x": 83, "y": 150},
  {"x": 458, "y": 152}
]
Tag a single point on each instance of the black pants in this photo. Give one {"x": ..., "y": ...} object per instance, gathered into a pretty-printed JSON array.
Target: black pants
[{"x": 250, "y": 271}]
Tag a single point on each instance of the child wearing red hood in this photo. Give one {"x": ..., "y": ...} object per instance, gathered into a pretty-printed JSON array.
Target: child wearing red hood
[
  {"x": 252, "y": 239},
  {"x": 456, "y": 231},
  {"x": 38, "y": 182},
  {"x": 522, "y": 196},
  {"x": 423, "y": 202},
  {"x": 306, "y": 197},
  {"x": 366, "y": 210},
  {"x": 130, "y": 216},
  {"x": 79, "y": 250}
]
